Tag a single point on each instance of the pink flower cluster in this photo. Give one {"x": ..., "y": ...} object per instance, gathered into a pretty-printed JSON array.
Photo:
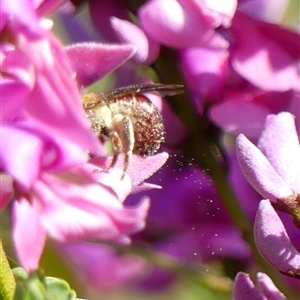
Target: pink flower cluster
[
  {"x": 52, "y": 186},
  {"x": 241, "y": 72}
]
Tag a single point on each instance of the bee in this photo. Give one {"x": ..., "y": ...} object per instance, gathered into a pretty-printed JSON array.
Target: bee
[{"x": 127, "y": 118}]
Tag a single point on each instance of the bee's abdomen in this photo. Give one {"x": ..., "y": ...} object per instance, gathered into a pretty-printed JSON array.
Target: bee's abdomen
[{"x": 147, "y": 123}]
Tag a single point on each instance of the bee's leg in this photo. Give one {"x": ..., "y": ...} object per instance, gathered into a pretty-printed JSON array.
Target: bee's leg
[
  {"x": 117, "y": 148},
  {"x": 124, "y": 128}
]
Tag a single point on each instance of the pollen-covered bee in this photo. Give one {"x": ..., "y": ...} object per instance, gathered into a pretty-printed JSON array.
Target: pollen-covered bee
[{"x": 127, "y": 118}]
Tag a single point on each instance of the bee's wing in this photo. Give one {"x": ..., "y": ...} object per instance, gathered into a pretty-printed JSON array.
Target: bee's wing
[
  {"x": 160, "y": 88},
  {"x": 156, "y": 88}
]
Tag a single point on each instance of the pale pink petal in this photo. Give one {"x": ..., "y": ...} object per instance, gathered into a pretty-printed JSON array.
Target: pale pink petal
[
  {"x": 141, "y": 168},
  {"x": 273, "y": 242},
  {"x": 28, "y": 233},
  {"x": 129, "y": 33},
  {"x": 268, "y": 288},
  {"x": 244, "y": 289},
  {"x": 259, "y": 172},
  {"x": 112, "y": 179},
  {"x": 222, "y": 10},
  {"x": 280, "y": 144},
  {"x": 268, "y": 10},
  {"x": 92, "y": 61},
  {"x": 74, "y": 209}
]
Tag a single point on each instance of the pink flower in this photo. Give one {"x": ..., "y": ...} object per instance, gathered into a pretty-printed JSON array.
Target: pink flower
[
  {"x": 273, "y": 169},
  {"x": 273, "y": 242},
  {"x": 245, "y": 289},
  {"x": 57, "y": 191}
]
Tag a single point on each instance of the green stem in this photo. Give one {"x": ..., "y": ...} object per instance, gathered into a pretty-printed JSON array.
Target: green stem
[{"x": 7, "y": 281}]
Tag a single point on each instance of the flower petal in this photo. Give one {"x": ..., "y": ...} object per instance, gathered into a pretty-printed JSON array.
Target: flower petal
[
  {"x": 259, "y": 172},
  {"x": 141, "y": 168},
  {"x": 268, "y": 288},
  {"x": 205, "y": 70},
  {"x": 25, "y": 20},
  {"x": 273, "y": 242},
  {"x": 254, "y": 51},
  {"x": 91, "y": 61},
  {"x": 279, "y": 143},
  {"x": 245, "y": 289},
  {"x": 21, "y": 154},
  {"x": 178, "y": 23},
  {"x": 54, "y": 104},
  {"x": 75, "y": 208},
  {"x": 28, "y": 233},
  {"x": 238, "y": 115},
  {"x": 129, "y": 33}
]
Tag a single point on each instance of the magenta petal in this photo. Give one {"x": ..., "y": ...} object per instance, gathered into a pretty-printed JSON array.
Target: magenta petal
[
  {"x": 273, "y": 242},
  {"x": 24, "y": 20},
  {"x": 20, "y": 154},
  {"x": 254, "y": 51},
  {"x": 205, "y": 70},
  {"x": 268, "y": 288},
  {"x": 245, "y": 289},
  {"x": 91, "y": 61},
  {"x": 28, "y": 233},
  {"x": 279, "y": 142},
  {"x": 12, "y": 95},
  {"x": 102, "y": 11},
  {"x": 54, "y": 105},
  {"x": 259, "y": 172},
  {"x": 176, "y": 23},
  {"x": 16, "y": 82},
  {"x": 240, "y": 116}
]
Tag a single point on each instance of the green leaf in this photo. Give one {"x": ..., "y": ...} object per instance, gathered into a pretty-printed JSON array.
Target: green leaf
[
  {"x": 7, "y": 280},
  {"x": 58, "y": 289}
]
